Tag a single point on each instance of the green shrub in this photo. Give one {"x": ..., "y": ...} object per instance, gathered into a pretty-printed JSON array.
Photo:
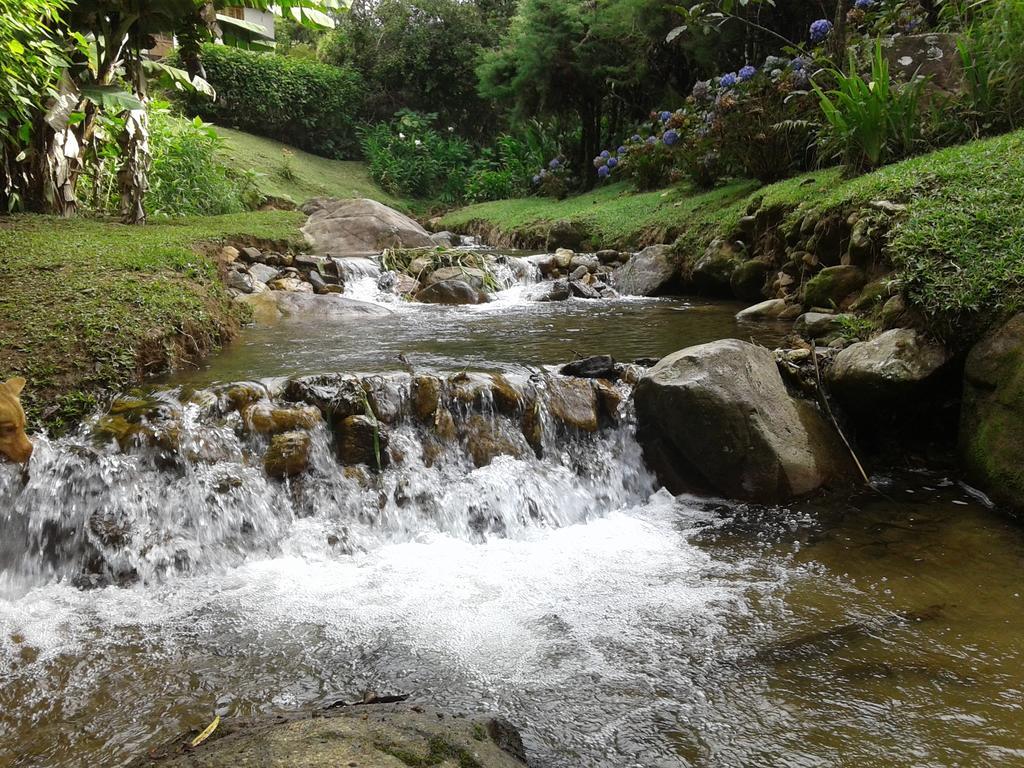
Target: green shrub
[
  {"x": 994, "y": 62},
  {"x": 303, "y": 103},
  {"x": 408, "y": 157},
  {"x": 505, "y": 170},
  {"x": 871, "y": 122},
  {"x": 648, "y": 163}
]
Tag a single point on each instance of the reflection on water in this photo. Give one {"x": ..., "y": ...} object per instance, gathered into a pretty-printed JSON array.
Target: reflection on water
[{"x": 506, "y": 335}]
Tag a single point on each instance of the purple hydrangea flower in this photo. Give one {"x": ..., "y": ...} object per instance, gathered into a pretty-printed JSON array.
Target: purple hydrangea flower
[
  {"x": 536, "y": 179},
  {"x": 746, "y": 73},
  {"x": 801, "y": 79},
  {"x": 863, "y": 5},
  {"x": 636, "y": 137},
  {"x": 820, "y": 30},
  {"x": 603, "y": 171},
  {"x": 665, "y": 116},
  {"x": 670, "y": 137},
  {"x": 798, "y": 64},
  {"x": 652, "y": 140},
  {"x": 622, "y": 150},
  {"x": 605, "y": 154},
  {"x": 555, "y": 164},
  {"x": 612, "y": 162},
  {"x": 728, "y": 80}
]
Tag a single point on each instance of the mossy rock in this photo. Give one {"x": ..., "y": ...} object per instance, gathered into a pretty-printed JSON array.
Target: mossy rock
[
  {"x": 748, "y": 280},
  {"x": 832, "y": 285},
  {"x": 992, "y": 419},
  {"x": 288, "y": 455}
]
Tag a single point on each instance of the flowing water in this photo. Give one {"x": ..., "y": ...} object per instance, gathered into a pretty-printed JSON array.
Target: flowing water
[{"x": 149, "y": 586}]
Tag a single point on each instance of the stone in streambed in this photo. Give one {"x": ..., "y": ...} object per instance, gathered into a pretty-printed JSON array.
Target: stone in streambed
[
  {"x": 362, "y": 440},
  {"x": 455, "y": 292},
  {"x": 597, "y": 367},
  {"x": 426, "y": 396},
  {"x": 359, "y": 227},
  {"x": 831, "y": 286},
  {"x": 772, "y": 309},
  {"x": 265, "y": 418},
  {"x": 717, "y": 417},
  {"x": 288, "y": 455},
  {"x": 712, "y": 274},
  {"x": 488, "y": 438},
  {"x": 368, "y": 736},
  {"x": 651, "y": 272},
  {"x": 471, "y": 275},
  {"x": 748, "y": 280},
  {"x": 573, "y": 402}
]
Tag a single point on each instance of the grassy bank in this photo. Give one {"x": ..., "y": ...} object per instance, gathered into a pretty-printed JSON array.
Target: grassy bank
[
  {"x": 289, "y": 173},
  {"x": 958, "y": 249},
  {"x": 91, "y": 306}
]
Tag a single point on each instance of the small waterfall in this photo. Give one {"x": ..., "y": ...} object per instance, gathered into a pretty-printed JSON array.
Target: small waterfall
[{"x": 184, "y": 481}]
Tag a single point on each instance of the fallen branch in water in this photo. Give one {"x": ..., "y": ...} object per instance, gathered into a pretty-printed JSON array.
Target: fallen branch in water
[{"x": 828, "y": 409}]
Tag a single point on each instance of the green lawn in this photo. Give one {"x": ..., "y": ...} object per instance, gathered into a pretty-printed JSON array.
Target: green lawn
[
  {"x": 290, "y": 173},
  {"x": 90, "y": 306}
]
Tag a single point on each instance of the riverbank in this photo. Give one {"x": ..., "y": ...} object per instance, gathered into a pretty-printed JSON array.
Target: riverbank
[
  {"x": 955, "y": 241},
  {"x": 91, "y": 306}
]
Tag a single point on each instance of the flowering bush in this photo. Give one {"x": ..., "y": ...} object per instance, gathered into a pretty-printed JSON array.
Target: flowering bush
[{"x": 553, "y": 181}]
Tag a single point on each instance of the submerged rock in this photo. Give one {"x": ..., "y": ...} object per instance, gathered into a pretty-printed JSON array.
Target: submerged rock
[
  {"x": 362, "y": 440},
  {"x": 265, "y": 418},
  {"x": 772, "y": 309},
  {"x": 651, "y": 272},
  {"x": 367, "y": 736},
  {"x": 718, "y": 417},
  {"x": 991, "y": 437},
  {"x": 354, "y": 227}
]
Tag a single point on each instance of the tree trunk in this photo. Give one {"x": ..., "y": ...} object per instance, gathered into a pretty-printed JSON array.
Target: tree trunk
[{"x": 133, "y": 175}]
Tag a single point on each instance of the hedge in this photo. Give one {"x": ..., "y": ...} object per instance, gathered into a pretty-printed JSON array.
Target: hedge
[{"x": 303, "y": 103}]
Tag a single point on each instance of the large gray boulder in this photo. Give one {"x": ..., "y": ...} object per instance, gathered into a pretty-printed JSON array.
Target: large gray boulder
[
  {"x": 992, "y": 419},
  {"x": 359, "y": 227},
  {"x": 272, "y": 306},
  {"x": 897, "y": 367},
  {"x": 368, "y": 736},
  {"x": 717, "y": 417},
  {"x": 451, "y": 292},
  {"x": 651, "y": 272}
]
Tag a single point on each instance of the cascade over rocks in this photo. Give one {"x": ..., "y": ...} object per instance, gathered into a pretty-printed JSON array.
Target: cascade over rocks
[
  {"x": 718, "y": 417},
  {"x": 366, "y": 735},
  {"x": 359, "y": 226},
  {"x": 451, "y": 292},
  {"x": 991, "y": 438}
]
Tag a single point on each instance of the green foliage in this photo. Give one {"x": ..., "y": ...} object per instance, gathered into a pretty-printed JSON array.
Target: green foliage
[
  {"x": 994, "y": 59},
  {"x": 872, "y": 121},
  {"x": 648, "y": 164},
  {"x": 506, "y": 170},
  {"x": 420, "y": 262},
  {"x": 419, "y": 55},
  {"x": 302, "y": 103},
  {"x": 409, "y": 157}
]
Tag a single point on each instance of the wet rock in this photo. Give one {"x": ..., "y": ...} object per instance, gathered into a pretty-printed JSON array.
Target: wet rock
[
  {"x": 582, "y": 260},
  {"x": 894, "y": 369},
  {"x": 717, "y": 417},
  {"x": 488, "y": 438},
  {"x": 579, "y": 273},
  {"x": 386, "y": 396},
  {"x": 772, "y": 309},
  {"x": 607, "y": 256},
  {"x": 510, "y": 398},
  {"x": 398, "y": 283},
  {"x": 244, "y": 393},
  {"x": 390, "y": 735},
  {"x": 597, "y": 367},
  {"x": 240, "y": 280},
  {"x": 250, "y": 254},
  {"x": 573, "y": 402},
  {"x": 290, "y": 284},
  {"x": 991, "y": 439},
  {"x": 609, "y": 399},
  {"x": 748, "y": 280},
  {"x": 652, "y": 272},
  {"x": 817, "y": 325},
  {"x": 565, "y": 234},
  {"x": 288, "y": 455},
  {"x": 581, "y": 290},
  {"x": 832, "y": 285},
  {"x": 444, "y": 425},
  {"x": 362, "y": 440},
  {"x": 262, "y": 273},
  {"x": 265, "y": 418},
  {"x": 328, "y": 306},
  {"x": 555, "y": 290},
  {"x": 712, "y": 274},
  {"x": 319, "y": 284},
  {"x": 358, "y": 227},
  {"x": 426, "y": 396},
  {"x": 562, "y": 258},
  {"x": 451, "y": 292},
  {"x": 336, "y": 395},
  {"x": 445, "y": 239},
  {"x": 471, "y": 275}
]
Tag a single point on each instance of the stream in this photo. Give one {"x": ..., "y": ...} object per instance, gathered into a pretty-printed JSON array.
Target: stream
[{"x": 614, "y": 624}]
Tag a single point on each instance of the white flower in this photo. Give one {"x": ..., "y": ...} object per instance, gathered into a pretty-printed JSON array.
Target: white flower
[
  {"x": 401, "y": 135},
  {"x": 451, "y": 129},
  {"x": 417, "y": 142}
]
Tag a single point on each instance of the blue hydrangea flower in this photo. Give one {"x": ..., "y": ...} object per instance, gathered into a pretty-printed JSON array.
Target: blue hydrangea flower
[
  {"x": 536, "y": 179},
  {"x": 636, "y": 137},
  {"x": 612, "y": 162},
  {"x": 554, "y": 164},
  {"x": 670, "y": 137},
  {"x": 622, "y": 150},
  {"x": 863, "y": 5},
  {"x": 801, "y": 79},
  {"x": 652, "y": 140},
  {"x": 798, "y": 64},
  {"x": 665, "y": 116},
  {"x": 820, "y": 30},
  {"x": 605, "y": 154},
  {"x": 746, "y": 73},
  {"x": 603, "y": 171},
  {"x": 728, "y": 80}
]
